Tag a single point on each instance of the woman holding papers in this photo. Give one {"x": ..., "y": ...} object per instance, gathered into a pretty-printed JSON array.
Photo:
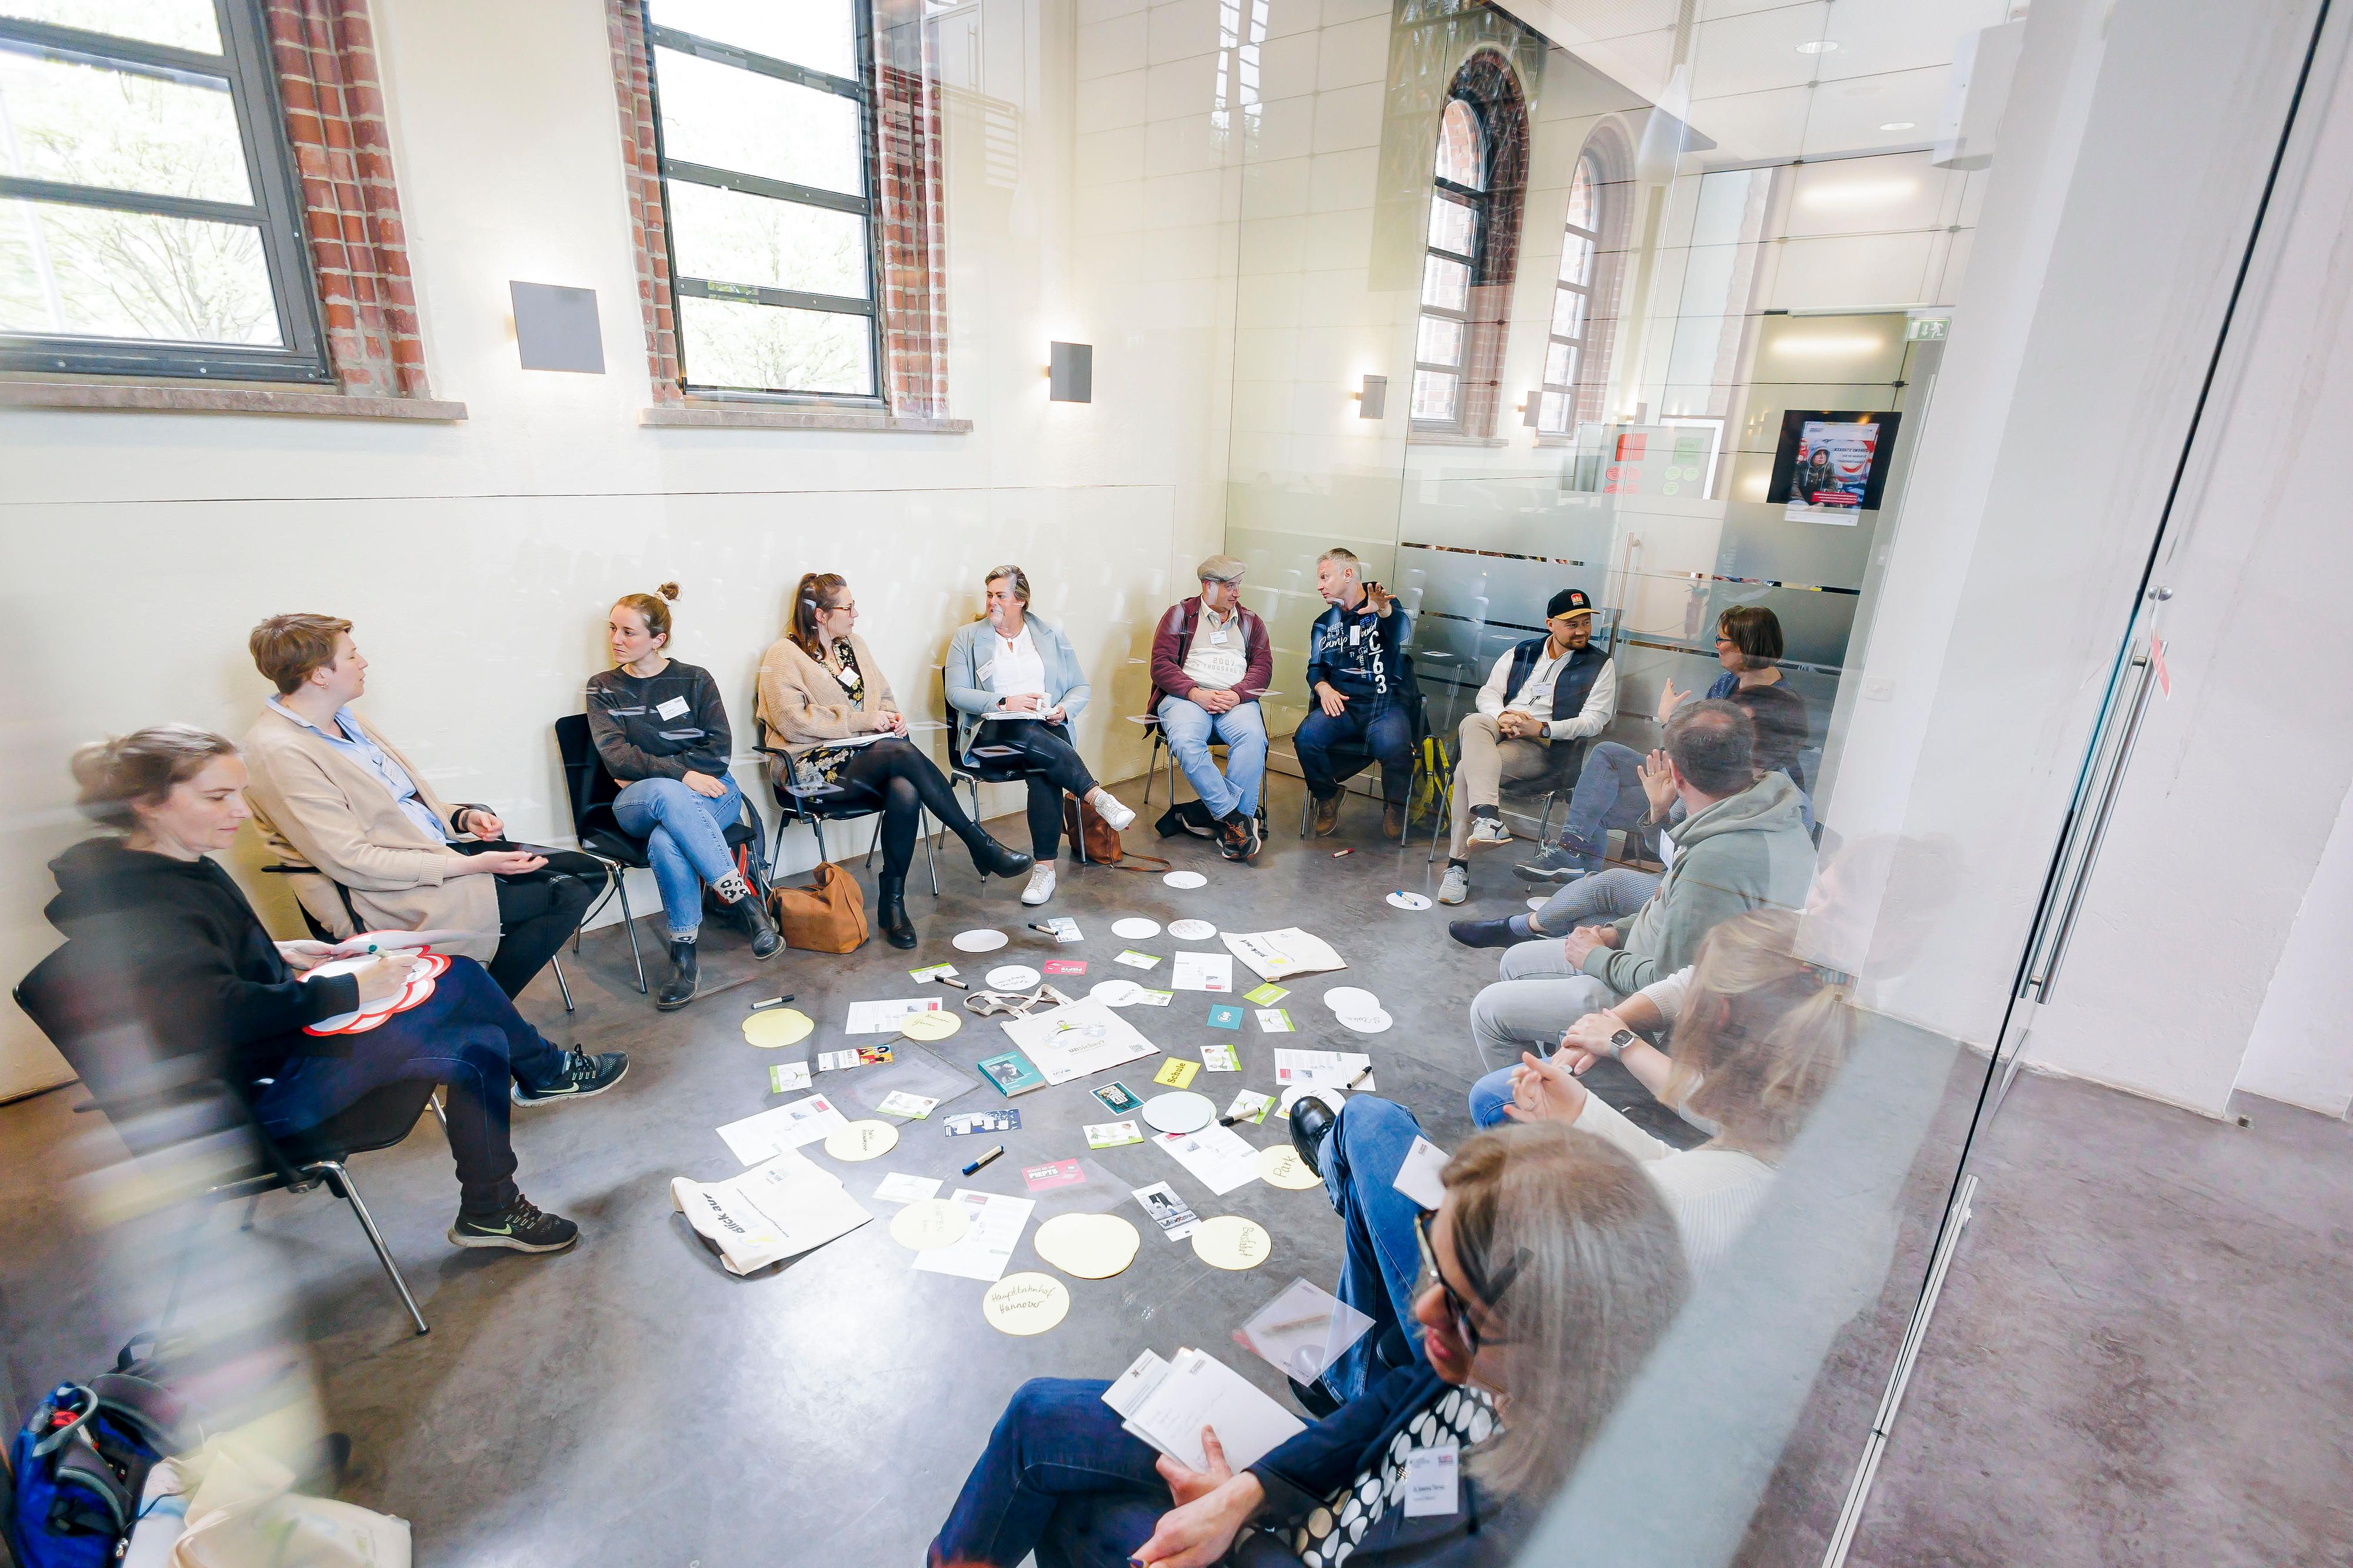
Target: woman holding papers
[
  {"x": 1550, "y": 1268},
  {"x": 827, "y": 717},
  {"x": 1015, "y": 683}
]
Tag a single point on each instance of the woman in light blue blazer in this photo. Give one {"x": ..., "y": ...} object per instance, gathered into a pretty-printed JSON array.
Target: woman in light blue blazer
[{"x": 1015, "y": 682}]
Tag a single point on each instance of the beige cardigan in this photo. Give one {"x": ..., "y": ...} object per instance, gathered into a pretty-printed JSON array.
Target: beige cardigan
[
  {"x": 802, "y": 703},
  {"x": 318, "y": 805}
]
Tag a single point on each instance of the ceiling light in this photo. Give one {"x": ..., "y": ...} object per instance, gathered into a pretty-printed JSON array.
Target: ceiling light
[
  {"x": 1899, "y": 125},
  {"x": 1821, "y": 46}
]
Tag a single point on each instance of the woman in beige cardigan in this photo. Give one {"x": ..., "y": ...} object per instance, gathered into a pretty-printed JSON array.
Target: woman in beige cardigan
[
  {"x": 329, "y": 792},
  {"x": 822, "y": 695}
]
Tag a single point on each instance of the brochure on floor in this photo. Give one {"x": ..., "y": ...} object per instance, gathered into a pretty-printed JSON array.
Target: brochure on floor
[
  {"x": 1072, "y": 1041},
  {"x": 1218, "y": 1157},
  {"x": 772, "y": 1211},
  {"x": 997, "y": 1224},
  {"x": 771, "y": 1132},
  {"x": 1279, "y": 954}
]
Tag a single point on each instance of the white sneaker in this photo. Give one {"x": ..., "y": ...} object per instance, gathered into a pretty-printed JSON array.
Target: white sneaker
[
  {"x": 1456, "y": 886},
  {"x": 1108, "y": 807},
  {"x": 1041, "y": 884},
  {"x": 1488, "y": 830}
]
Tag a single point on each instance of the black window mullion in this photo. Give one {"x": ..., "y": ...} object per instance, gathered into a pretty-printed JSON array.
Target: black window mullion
[
  {"x": 741, "y": 58},
  {"x": 761, "y": 185},
  {"x": 135, "y": 56}
]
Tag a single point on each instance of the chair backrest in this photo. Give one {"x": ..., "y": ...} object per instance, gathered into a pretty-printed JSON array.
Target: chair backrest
[{"x": 586, "y": 780}]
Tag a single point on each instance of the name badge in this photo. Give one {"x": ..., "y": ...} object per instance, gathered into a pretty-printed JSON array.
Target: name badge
[
  {"x": 1356, "y": 633},
  {"x": 672, "y": 708},
  {"x": 1217, "y": 637},
  {"x": 1433, "y": 1481},
  {"x": 983, "y": 672}
]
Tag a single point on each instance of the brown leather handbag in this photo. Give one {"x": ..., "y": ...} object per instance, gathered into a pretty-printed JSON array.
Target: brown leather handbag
[
  {"x": 1083, "y": 826},
  {"x": 826, "y": 916}
]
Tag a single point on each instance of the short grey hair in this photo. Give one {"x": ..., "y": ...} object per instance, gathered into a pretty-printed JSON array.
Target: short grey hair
[
  {"x": 1020, "y": 579},
  {"x": 1345, "y": 556}
]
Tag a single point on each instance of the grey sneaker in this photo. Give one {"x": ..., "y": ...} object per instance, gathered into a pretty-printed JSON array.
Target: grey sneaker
[
  {"x": 582, "y": 1077},
  {"x": 1456, "y": 886},
  {"x": 521, "y": 1226},
  {"x": 1487, "y": 831},
  {"x": 1554, "y": 864}
]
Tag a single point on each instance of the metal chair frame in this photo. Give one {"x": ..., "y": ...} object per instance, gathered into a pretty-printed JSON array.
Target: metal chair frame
[
  {"x": 1556, "y": 781},
  {"x": 972, "y": 776},
  {"x": 1413, "y": 776},
  {"x": 803, "y": 807},
  {"x": 1163, "y": 760}
]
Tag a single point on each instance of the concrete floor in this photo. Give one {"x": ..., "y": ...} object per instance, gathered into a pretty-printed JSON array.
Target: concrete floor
[{"x": 631, "y": 1403}]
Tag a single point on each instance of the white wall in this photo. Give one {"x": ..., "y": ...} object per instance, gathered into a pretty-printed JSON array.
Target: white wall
[
  {"x": 478, "y": 559},
  {"x": 2302, "y": 1048}
]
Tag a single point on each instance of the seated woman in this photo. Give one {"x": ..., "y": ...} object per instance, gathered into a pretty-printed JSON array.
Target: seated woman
[
  {"x": 1609, "y": 791},
  {"x": 1020, "y": 683},
  {"x": 1548, "y": 1271},
  {"x": 663, "y": 732},
  {"x": 820, "y": 685},
  {"x": 188, "y": 958}
]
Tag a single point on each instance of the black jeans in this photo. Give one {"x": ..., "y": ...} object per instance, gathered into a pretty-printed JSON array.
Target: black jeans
[
  {"x": 538, "y": 911},
  {"x": 1046, "y": 750},
  {"x": 896, "y": 779}
]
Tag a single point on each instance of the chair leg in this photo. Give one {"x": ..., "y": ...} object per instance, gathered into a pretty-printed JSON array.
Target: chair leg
[
  {"x": 251, "y": 1204},
  {"x": 629, "y": 924},
  {"x": 777, "y": 846},
  {"x": 441, "y": 1111},
  {"x": 562, "y": 984},
  {"x": 340, "y": 1180},
  {"x": 931, "y": 861}
]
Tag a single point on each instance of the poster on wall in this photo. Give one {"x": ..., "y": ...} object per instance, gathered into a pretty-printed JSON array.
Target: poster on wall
[{"x": 1832, "y": 465}]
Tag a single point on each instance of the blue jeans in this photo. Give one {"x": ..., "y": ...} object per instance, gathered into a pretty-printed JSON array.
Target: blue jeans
[
  {"x": 1189, "y": 727},
  {"x": 1361, "y": 737},
  {"x": 1608, "y": 794},
  {"x": 468, "y": 1035},
  {"x": 1380, "y": 1261},
  {"x": 686, "y": 841},
  {"x": 1060, "y": 1477}
]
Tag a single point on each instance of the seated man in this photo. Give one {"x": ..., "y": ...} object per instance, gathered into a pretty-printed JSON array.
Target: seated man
[
  {"x": 332, "y": 793},
  {"x": 1547, "y": 690},
  {"x": 1212, "y": 659},
  {"x": 1743, "y": 845},
  {"x": 1366, "y": 696}
]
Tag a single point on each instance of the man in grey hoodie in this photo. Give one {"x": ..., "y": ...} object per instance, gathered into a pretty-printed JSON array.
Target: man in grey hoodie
[{"x": 1743, "y": 844}]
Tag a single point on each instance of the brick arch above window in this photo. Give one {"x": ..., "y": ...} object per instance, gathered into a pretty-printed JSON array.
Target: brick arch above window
[{"x": 1473, "y": 245}]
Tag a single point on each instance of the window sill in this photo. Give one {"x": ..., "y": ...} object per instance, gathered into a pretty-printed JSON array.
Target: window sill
[
  {"x": 143, "y": 398},
  {"x": 1452, "y": 438},
  {"x": 740, "y": 416}
]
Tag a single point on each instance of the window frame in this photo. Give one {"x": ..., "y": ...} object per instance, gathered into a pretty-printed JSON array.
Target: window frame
[
  {"x": 683, "y": 286},
  {"x": 1482, "y": 213},
  {"x": 278, "y": 211},
  {"x": 1588, "y": 169}
]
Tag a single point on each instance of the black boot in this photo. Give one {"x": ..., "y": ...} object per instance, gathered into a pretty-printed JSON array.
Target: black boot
[
  {"x": 1310, "y": 1118},
  {"x": 991, "y": 858},
  {"x": 684, "y": 978},
  {"x": 749, "y": 914},
  {"x": 891, "y": 893}
]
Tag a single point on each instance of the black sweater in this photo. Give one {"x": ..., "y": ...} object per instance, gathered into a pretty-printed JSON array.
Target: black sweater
[
  {"x": 174, "y": 944},
  {"x": 637, "y": 742}
]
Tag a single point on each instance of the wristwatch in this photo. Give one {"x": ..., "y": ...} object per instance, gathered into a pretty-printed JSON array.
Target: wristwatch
[{"x": 1619, "y": 1041}]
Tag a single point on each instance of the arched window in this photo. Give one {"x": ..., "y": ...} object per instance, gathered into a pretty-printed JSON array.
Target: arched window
[
  {"x": 1477, "y": 178},
  {"x": 1584, "y": 302}
]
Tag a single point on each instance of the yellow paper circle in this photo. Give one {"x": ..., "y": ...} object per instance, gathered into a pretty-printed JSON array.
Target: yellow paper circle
[
  {"x": 1025, "y": 1303},
  {"x": 1087, "y": 1245},
  {"x": 1281, "y": 1166},
  {"x": 1230, "y": 1241},
  {"x": 938, "y": 1025},
  {"x": 777, "y": 1026},
  {"x": 863, "y": 1140},
  {"x": 930, "y": 1222}
]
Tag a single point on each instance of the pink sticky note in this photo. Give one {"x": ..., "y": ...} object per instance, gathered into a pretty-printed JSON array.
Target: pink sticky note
[
  {"x": 1064, "y": 966},
  {"x": 1060, "y": 1174}
]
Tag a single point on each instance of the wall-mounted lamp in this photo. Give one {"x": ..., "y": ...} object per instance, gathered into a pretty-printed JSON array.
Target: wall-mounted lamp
[
  {"x": 1374, "y": 396},
  {"x": 1532, "y": 410},
  {"x": 555, "y": 328},
  {"x": 1073, "y": 371}
]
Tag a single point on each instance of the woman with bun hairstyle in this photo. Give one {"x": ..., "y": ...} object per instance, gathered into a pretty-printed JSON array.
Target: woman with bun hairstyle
[
  {"x": 821, "y": 685},
  {"x": 162, "y": 944},
  {"x": 663, "y": 732}
]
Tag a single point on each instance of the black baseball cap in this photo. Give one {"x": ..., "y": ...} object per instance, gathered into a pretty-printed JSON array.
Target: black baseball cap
[{"x": 1569, "y": 602}]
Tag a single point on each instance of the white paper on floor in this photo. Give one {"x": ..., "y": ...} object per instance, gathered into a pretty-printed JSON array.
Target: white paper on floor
[
  {"x": 1191, "y": 931},
  {"x": 979, "y": 941},
  {"x": 1186, "y": 880},
  {"x": 1135, "y": 928}
]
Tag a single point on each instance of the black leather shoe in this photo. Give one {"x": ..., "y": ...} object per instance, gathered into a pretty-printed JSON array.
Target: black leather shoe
[
  {"x": 1485, "y": 933},
  {"x": 1310, "y": 1120},
  {"x": 685, "y": 978},
  {"x": 752, "y": 917},
  {"x": 991, "y": 858},
  {"x": 891, "y": 894}
]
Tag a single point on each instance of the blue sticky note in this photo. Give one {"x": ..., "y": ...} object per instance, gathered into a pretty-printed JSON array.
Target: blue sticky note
[{"x": 1224, "y": 1016}]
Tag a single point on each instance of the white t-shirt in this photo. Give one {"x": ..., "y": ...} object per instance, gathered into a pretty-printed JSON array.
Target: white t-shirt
[
  {"x": 1219, "y": 656},
  {"x": 1017, "y": 667}
]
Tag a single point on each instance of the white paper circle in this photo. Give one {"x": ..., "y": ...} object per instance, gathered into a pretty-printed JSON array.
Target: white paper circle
[
  {"x": 1135, "y": 927},
  {"x": 979, "y": 941},
  {"x": 1539, "y": 903},
  {"x": 1372, "y": 1023},
  {"x": 1191, "y": 931},
  {"x": 1405, "y": 901},
  {"x": 1179, "y": 1110},
  {"x": 1117, "y": 993},
  {"x": 1013, "y": 977},
  {"x": 1351, "y": 999},
  {"x": 1186, "y": 880}
]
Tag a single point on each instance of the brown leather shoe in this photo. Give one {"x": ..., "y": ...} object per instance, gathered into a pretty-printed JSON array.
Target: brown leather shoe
[
  {"x": 1327, "y": 815},
  {"x": 1393, "y": 820}
]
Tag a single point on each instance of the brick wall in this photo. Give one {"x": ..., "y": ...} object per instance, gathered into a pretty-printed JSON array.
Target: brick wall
[
  {"x": 641, "y": 177},
  {"x": 325, "y": 51}
]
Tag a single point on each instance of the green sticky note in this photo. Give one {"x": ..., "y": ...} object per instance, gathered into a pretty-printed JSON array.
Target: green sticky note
[{"x": 1266, "y": 995}]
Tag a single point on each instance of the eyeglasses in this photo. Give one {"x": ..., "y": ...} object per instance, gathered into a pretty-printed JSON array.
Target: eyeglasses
[{"x": 1457, "y": 1307}]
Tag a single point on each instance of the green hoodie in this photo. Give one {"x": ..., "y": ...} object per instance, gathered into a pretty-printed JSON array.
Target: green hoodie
[{"x": 1746, "y": 850}]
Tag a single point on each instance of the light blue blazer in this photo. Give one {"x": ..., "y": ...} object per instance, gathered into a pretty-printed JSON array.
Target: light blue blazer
[{"x": 971, "y": 655}]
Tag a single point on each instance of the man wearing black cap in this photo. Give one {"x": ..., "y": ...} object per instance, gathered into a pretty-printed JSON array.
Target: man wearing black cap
[{"x": 1548, "y": 690}]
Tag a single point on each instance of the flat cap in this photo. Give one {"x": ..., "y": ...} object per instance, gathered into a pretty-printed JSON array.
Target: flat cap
[{"x": 1221, "y": 569}]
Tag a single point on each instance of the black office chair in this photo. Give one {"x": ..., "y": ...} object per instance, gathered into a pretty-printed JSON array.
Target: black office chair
[
  {"x": 1364, "y": 759},
  {"x": 297, "y": 869},
  {"x": 991, "y": 764},
  {"x": 813, "y": 808},
  {"x": 320, "y": 1156},
  {"x": 1565, "y": 759},
  {"x": 1163, "y": 760},
  {"x": 593, "y": 789}
]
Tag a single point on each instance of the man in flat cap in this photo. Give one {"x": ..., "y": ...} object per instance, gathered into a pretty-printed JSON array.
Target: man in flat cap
[
  {"x": 1211, "y": 660},
  {"x": 1555, "y": 689}
]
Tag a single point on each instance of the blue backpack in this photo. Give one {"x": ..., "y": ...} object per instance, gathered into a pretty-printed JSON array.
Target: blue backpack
[{"x": 79, "y": 1466}]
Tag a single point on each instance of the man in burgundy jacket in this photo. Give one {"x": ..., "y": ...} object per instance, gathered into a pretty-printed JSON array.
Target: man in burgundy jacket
[{"x": 1210, "y": 662}]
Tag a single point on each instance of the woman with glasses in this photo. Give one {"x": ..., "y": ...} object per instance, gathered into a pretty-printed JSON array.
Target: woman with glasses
[
  {"x": 826, "y": 704},
  {"x": 1550, "y": 1268}
]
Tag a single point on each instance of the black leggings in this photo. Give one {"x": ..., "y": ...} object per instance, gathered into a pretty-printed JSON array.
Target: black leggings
[
  {"x": 1046, "y": 749},
  {"x": 896, "y": 779},
  {"x": 538, "y": 912}
]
